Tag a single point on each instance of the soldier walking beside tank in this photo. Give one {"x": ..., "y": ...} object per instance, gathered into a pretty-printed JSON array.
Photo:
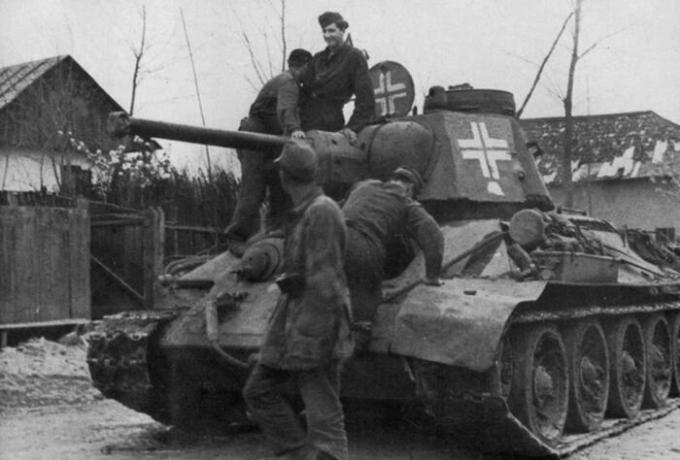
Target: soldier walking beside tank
[
  {"x": 274, "y": 111},
  {"x": 336, "y": 74},
  {"x": 375, "y": 213},
  {"x": 308, "y": 334}
]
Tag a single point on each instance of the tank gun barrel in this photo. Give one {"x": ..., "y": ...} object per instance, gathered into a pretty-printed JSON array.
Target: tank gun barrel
[{"x": 120, "y": 124}]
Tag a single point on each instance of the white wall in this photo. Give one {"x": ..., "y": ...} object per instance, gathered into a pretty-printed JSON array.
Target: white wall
[{"x": 28, "y": 170}]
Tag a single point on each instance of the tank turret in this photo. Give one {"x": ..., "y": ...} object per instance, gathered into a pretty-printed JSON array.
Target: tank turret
[{"x": 470, "y": 151}]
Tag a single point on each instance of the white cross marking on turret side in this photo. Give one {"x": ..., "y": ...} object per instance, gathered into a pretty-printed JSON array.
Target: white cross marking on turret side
[
  {"x": 390, "y": 92},
  {"x": 488, "y": 151}
]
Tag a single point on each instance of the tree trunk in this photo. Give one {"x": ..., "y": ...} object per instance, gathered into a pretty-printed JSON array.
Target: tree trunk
[{"x": 568, "y": 120}]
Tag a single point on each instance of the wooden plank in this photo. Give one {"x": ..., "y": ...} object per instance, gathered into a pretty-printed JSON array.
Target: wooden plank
[
  {"x": 8, "y": 217},
  {"x": 118, "y": 223},
  {"x": 111, "y": 274},
  {"x": 26, "y": 290},
  {"x": 58, "y": 322},
  {"x": 79, "y": 252},
  {"x": 153, "y": 254},
  {"x": 55, "y": 268},
  {"x": 190, "y": 228}
]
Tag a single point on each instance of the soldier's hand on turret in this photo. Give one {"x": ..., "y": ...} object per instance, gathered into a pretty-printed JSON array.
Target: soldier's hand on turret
[
  {"x": 350, "y": 135},
  {"x": 298, "y": 135},
  {"x": 433, "y": 281}
]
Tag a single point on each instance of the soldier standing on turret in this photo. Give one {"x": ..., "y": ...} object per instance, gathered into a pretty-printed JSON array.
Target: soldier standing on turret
[
  {"x": 275, "y": 111},
  {"x": 336, "y": 74}
]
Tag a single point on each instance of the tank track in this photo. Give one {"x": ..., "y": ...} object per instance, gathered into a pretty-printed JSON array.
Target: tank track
[
  {"x": 475, "y": 408},
  {"x": 119, "y": 359}
]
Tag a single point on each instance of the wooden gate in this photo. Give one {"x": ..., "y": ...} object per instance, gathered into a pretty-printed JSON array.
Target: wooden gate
[{"x": 127, "y": 256}]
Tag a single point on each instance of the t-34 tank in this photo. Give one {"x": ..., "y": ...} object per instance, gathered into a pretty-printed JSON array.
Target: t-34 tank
[{"x": 548, "y": 334}]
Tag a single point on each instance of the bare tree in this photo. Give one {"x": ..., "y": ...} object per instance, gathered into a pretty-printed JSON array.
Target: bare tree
[
  {"x": 198, "y": 92},
  {"x": 265, "y": 69},
  {"x": 568, "y": 106},
  {"x": 569, "y": 135},
  {"x": 543, "y": 63},
  {"x": 567, "y": 98},
  {"x": 138, "y": 53}
]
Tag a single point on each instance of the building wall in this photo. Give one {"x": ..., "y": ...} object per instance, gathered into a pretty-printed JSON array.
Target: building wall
[
  {"x": 635, "y": 203},
  {"x": 26, "y": 170}
]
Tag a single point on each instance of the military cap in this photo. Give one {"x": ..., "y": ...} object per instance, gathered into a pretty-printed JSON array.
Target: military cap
[
  {"x": 298, "y": 160},
  {"x": 331, "y": 17},
  {"x": 409, "y": 174},
  {"x": 299, "y": 57}
]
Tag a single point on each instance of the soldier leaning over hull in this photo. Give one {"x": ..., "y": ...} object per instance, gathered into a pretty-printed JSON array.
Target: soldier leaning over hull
[
  {"x": 274, "y": 111},
  {"x": 375, "y": 213}
]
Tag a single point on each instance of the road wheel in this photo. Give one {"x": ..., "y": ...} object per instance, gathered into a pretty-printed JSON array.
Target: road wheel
[
  {"x": 659, "y": 373},
  {"x": 675, "y": 352},
  {"x": 589, "y": 375},
  {"x": 540, "y": 386},
  {"x": 627, "y": 367}
]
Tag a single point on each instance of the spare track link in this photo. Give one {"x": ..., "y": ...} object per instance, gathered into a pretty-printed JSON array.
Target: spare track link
[{"x": 118, "y": 358}]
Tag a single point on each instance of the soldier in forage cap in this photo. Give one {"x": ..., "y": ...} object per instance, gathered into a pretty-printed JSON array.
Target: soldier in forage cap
[
  {"x": 308, "y": 334},
  {"x": 275, "y": 111},
  {"x": 336, "y": 74}
]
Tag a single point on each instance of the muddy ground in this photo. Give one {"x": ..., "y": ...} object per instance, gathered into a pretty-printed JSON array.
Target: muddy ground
[{"x": 49, "y": 410}]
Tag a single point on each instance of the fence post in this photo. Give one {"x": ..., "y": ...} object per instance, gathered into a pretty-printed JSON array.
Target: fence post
[{"x": 154, "y": 237}]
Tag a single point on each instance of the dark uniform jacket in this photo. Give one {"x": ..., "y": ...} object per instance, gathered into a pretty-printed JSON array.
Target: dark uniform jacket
[
  {"x": 380, "y": 210},
  {"x": 276, "y": 105},
  {"x": 311, "y": 327},
  {"x": 334, "y": 79}
]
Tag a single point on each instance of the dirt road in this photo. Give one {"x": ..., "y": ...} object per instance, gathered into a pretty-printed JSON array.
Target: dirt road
[{"x": 50, "y": 411}]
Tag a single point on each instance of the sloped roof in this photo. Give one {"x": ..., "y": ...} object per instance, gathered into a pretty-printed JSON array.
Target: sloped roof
[
  {"x": 17, "y": 78},
  {"x": 610, "y": 146}
]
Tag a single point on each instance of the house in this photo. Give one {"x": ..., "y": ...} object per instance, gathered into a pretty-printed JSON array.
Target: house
[
  {"x": 43, "y": 104},
  {"x": 624, "y": 168}
]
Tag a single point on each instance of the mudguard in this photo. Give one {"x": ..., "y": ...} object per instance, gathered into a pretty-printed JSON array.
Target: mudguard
[{"x": 461, "y": 322}]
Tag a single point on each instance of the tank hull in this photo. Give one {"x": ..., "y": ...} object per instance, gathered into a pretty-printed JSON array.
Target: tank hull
[{"x": 439, "y": 350}]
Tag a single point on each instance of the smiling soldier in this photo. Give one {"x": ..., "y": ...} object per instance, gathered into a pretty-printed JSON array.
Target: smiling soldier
[{"x": 336, "y": 74}]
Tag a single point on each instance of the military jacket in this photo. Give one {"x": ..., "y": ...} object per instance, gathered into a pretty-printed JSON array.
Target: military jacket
[
  {"x": 381, "y": 210},
  {"x": 334, "y": 79},
  {"x": 311, "y": 327},
  {"x": 276, "y": 105}
]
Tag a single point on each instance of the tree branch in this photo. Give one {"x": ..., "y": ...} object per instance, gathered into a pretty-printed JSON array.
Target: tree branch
[
  {"x": 139, "y": 53},
  {"x": 284, "y": 43},
  {"x": 606, "y": 37},
  {"x": 542, "y": 66}
]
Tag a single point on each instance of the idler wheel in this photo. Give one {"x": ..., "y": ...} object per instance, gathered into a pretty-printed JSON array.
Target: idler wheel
[
  {"x": 589, "y": 371},
  {"x": 675, "y": 353},
  {"x": 659, "y": 374},
  {"x": 627, "y": 367},
  {"x": 540, "y": 385}
]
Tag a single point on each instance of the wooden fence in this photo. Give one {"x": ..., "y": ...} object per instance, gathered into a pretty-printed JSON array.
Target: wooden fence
[{"x": 44, "y": 264}]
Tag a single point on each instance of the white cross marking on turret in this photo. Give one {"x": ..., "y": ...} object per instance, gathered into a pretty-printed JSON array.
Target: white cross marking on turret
[
  {"x": 488, "y": 151},
  {"x": 389, "y": 92}
]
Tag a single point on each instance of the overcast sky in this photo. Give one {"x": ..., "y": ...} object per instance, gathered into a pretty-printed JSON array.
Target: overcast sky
[{"x": 488, "y": 43}]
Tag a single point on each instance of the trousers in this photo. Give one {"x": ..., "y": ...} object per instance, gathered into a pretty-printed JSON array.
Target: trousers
[
  {"x": 258, "y": 174},
  {"x": 319, "y": 389},
  {"x": 364, "y": 268}
]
